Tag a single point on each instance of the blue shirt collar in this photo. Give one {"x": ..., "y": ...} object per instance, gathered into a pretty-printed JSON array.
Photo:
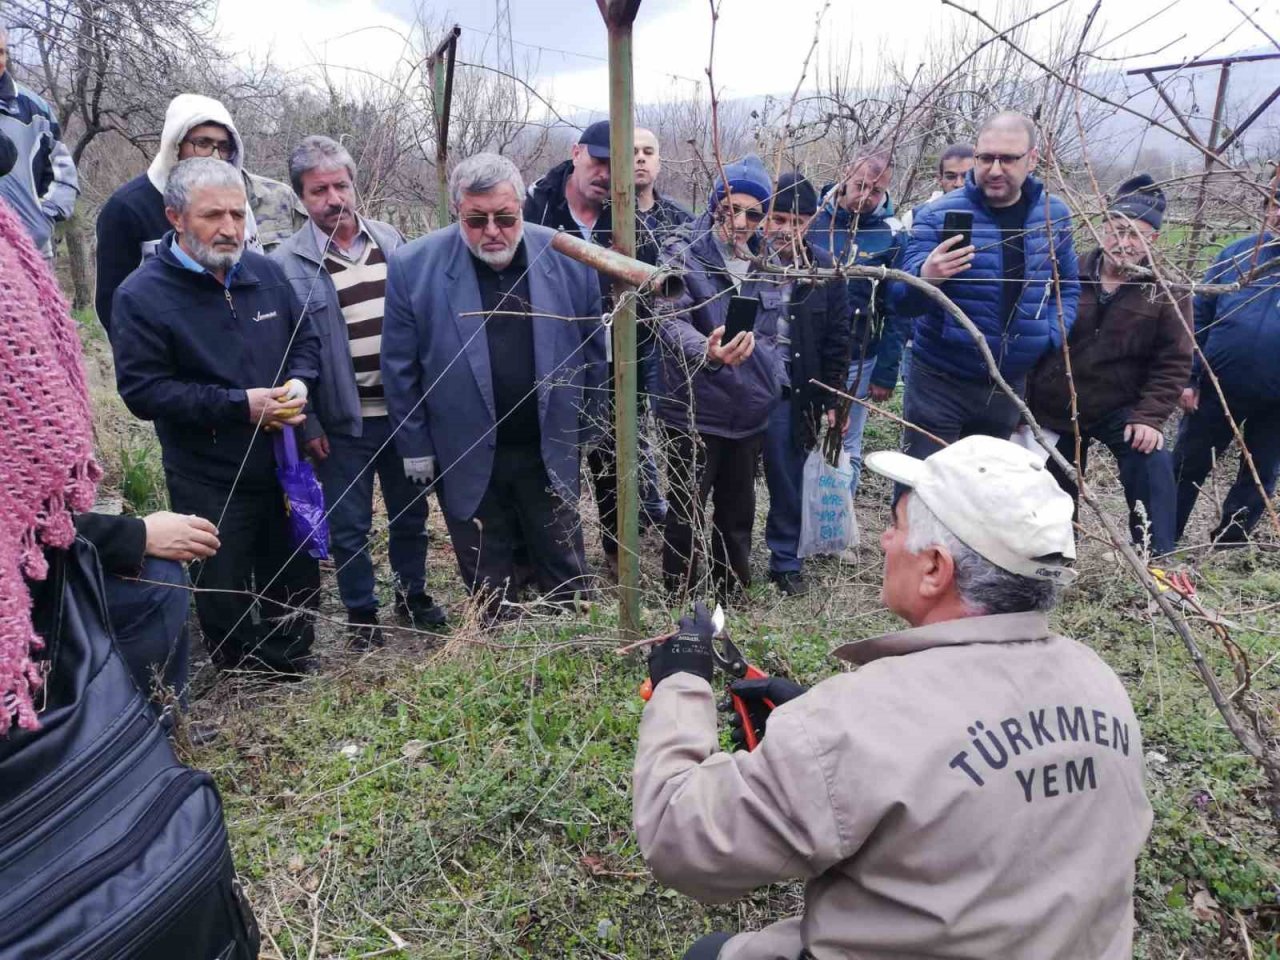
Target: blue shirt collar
[{"x": 188, "y": 263}]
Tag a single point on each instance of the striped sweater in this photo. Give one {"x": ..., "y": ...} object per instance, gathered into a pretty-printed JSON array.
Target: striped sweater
[{"x": 361, "y": 285}]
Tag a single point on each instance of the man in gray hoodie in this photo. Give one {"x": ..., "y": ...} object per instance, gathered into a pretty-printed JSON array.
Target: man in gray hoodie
[{"x": 132, "y": 221}]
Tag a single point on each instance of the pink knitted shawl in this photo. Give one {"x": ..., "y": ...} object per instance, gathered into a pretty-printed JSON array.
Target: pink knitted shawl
[{"x": 47, "y": 468}]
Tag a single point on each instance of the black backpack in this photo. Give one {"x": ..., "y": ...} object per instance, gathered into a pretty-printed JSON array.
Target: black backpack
[{"x": 110, "y": 848}]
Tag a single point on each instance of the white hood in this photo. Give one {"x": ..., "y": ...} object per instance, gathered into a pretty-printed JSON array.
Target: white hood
[{"x": 188, "y": 110}]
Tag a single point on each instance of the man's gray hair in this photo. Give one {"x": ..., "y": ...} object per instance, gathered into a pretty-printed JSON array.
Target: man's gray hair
[
  {"x": 483, "y": 173},
  {"x": 318, "y": 153},
  {"x": 194, "y": 174},
  {"x": 984, "y": 587},
  {"x": 1011, "y": 120}
]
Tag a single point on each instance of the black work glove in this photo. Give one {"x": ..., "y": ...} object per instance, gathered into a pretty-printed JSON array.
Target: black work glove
[
  {"x": 689, "y": 651},
  {"x": 754, "y": 693}
]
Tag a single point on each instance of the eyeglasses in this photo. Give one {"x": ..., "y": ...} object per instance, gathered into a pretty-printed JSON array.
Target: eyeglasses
[
  {"x": 1006, "y": 159},
  {"x": 478, "y": 221},
  {"x": 753, "y": 214},
  {"x": 207, "y": 147}
]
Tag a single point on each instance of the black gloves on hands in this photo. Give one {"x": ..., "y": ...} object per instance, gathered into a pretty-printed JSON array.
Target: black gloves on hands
[
  {"x": 754, "y": 693},
  {"x": 689, "y": 651}
]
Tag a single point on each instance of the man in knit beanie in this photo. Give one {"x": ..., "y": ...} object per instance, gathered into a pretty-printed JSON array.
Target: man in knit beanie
[
  {"x": 1130, "y": 354},
  {"x": 717, "y": 391},
  {"x": 813, "y": 341}
]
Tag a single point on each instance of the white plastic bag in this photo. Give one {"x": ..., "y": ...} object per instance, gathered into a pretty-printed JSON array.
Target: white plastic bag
[
  {"x": 827, "y": 523},
  {"x": 1024, "y": 438}
]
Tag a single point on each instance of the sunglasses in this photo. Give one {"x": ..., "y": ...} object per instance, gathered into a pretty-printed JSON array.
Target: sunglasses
[
  {"x": 478, "y": 221},
  {"x": 1006, "y": 159},
  {"x": 207, "y": 146},
  {"x": 753, "y": 214}
]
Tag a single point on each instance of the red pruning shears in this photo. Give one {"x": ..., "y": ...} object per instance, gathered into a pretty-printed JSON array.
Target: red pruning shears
[{"x": 729, "y": 659}]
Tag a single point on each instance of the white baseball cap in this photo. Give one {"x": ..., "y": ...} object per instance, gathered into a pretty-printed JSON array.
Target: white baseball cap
[{"x": 997, "y": 498}]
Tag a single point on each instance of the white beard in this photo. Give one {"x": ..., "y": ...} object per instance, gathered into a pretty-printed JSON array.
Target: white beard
[
  {"x": 498, "y": 259},
  {"x": 210, "y": 259}
]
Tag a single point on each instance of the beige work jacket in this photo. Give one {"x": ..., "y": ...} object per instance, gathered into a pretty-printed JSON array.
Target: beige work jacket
[{"x": 973, "y": 790}]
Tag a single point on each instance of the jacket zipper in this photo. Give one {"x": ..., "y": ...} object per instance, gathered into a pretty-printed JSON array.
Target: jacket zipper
[
  {"x": 62, "y": 891},
  {"x": 235, "y": 317},
  {"x": 50, "y": 803}
]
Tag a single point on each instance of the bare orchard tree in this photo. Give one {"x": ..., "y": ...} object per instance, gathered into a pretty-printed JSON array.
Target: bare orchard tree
[{"x": 105, "y": 65}]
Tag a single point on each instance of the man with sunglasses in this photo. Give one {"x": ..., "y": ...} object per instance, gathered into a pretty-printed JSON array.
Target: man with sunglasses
[
  {"x": 493, "y": 365},
  {"x": 1017, "y": 281},
  {"x": 41, "y": 188},
  {"x": 717, "y": 391},
  {"x": 132, "y": 221}
]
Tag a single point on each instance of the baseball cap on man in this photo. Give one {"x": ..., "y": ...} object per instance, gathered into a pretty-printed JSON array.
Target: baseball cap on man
[
  {"x": 596, "y": 139},
  {"x": 997, "y": 498}
]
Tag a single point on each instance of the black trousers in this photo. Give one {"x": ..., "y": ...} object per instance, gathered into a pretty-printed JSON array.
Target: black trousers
[
  {"x": 602, "y": 463},
  {"x": 951, "y": 408},
  {"x": 1205, "y": 435},
  {"x": 520, "y": 507},
  {"x": 1147, "y": 479},
  {"x": 257, "y": 557},
  {"x": 701, "y": 466},
  {"x": 708, "y": 947}
]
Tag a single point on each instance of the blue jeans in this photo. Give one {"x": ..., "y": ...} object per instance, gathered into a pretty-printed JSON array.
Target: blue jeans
[
  {"x": 1147, "y": 478},
  {"x": 352, "y": 463},
  {"x": 1206, "y": 434},
  {"x": 857, "y": 415},
  {"x": 149, "y": 618},
  {"x": 784, "y": 475}
]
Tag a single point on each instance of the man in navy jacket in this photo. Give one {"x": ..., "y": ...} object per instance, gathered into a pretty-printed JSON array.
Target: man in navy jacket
[
  {"x": 1239, "y": 334},
  {"x": 210, "y": 344},
  {"x": 493, "y": 365},
  {"x": 857, "y": 226},
  {"x": 813, "y": 340},
  {"x": 1018, "y": 282}
]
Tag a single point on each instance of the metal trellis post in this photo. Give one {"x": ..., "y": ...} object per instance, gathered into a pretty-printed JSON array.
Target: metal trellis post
[{"x": 440, "y": 65}]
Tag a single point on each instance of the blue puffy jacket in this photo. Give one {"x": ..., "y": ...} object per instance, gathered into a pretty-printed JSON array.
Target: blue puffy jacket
[
  {"x": 877, "y": 330},
  {"x": 1240, "y": 332},
  {"x": 945, "y": 345}
]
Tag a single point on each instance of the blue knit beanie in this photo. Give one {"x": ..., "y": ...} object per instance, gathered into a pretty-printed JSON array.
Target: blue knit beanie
[{"x": 748, "y": 175}]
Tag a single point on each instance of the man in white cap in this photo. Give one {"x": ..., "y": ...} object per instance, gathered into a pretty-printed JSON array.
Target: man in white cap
[{"x": 973, "y": 790}]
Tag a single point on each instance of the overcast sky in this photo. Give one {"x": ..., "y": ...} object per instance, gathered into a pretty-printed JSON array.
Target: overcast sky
[{"x": 760, "y": 44}]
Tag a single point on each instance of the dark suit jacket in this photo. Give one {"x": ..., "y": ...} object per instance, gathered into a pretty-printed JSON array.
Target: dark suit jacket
[{"x": 435, "y": 362}]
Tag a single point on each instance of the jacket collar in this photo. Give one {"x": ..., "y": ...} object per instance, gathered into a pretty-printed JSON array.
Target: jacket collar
[
  {"x": 998, "y": 628},
  {"x": 242, "y": 275},
  {"x": 866, "y": 221}
]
